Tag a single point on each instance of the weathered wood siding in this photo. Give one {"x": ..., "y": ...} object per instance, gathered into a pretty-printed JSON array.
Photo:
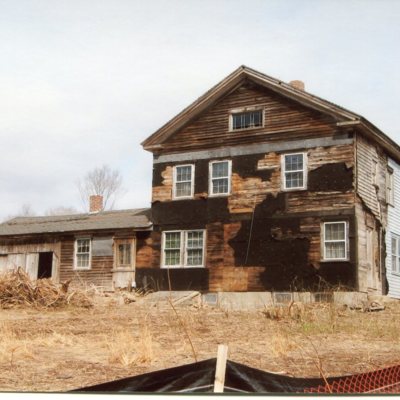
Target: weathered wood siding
[
  {"x": 260, "y": 237},
  {"x": 100, "y": 273},
  {"x": 284, "y": 120},
  {"x": 393, "y": 228},
  {"x": 23, "y": 252},
  {"x": 371, "y": 211},
  {"x": 371, "y": 177}
]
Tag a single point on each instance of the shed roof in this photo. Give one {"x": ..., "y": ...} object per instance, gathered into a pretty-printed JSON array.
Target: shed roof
[{"x": 136, "y": 219}]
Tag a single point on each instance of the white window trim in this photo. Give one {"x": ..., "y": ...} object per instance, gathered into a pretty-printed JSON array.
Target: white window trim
[
  {"x": 346, "y": 241},
  {"x": 210, "y": 178},
  {"x": 132, "y": 242},
  {"x": 174, "y": 182},
  {"x": 243, "y": 110},
  {"x": 75, "y": 253},
  {"x": 304, "y": 170},
  {"x": 183, "y": 248},
  {"x": 397, "y": 237}
]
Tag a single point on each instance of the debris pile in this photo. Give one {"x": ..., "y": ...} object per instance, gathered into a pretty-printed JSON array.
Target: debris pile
[{"x": 17, "y": 289}]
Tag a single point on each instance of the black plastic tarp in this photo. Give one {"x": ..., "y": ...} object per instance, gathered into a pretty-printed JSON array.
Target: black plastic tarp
[{"x": 199, "y": 377}]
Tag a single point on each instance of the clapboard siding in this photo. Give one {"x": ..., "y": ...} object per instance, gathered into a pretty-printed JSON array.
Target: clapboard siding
[
  {"x": 284, "y": 119},
  {"x": 371, "y": 190},
  {"x": 393, "y": 227}
]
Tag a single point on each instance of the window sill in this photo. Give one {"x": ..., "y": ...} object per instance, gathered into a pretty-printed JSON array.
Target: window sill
[
  {"x": 183, "y": 198},
  {"x": 219, "y": 195},
  {"x": 294, "y": 189},
  {"x": 246, "y": 129},
  {"x": 82, "y": 269},
  {"x": 182, "y": 266},
  {"x": 335, "y": 260}
]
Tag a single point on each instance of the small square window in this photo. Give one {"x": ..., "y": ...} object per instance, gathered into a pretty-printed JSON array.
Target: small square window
[{"x": 220, "y": 178}]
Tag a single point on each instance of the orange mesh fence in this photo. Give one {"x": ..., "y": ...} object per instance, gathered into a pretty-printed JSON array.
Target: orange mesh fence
[{"x": 385, "y": 380}]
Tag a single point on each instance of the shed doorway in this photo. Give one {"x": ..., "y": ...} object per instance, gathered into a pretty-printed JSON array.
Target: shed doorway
[{"x": 45, "y": 265}]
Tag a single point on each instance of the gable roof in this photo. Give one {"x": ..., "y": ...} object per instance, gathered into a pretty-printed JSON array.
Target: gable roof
[
  {"x": 344, "y": 117},
  {"x": 136, "y": 219}
]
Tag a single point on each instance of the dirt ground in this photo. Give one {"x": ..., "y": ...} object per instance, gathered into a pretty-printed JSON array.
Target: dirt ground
[{"x": 61, "y": 350}]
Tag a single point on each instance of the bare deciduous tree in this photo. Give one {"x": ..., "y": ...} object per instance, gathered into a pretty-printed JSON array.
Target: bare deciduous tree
[{"x": 101, "y": 181}]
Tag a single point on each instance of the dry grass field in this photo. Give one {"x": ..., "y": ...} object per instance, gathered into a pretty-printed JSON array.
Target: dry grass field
[{"x": 67, "y": 348}]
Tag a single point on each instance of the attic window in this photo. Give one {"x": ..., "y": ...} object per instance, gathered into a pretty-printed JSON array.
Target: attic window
[{"x": 246, "y": 119}]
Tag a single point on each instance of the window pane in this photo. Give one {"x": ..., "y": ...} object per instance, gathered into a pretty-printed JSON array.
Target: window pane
[
  {"x": 294, "y": 179},
  {"x": 247, "y": 119},
  {"x": 335, "y": 231},
  {"x": 184, "y": 173},
  {"x": 124, "y": 254},
  {"x": 293, "y": 162},
  {"x": 172, "y": 257},
  {"x": 173, "y": 240},
  {"x": 220, "y": 169},
  {"x": 82, "y": 260},
  {"x": 394, "y": 261},
  {"x": 83, "y": 245},
  {"x": 335, "y": 250},
  {"x": 183, "y": 189},
  {"x": 195, "y": 257},
  {"x": 195, "y": 239},
  {"x": 220, "y": 186}
]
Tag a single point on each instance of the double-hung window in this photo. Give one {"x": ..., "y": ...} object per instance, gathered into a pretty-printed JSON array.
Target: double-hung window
[
  {"x": 294, "y": 171},
  {"x": 335, "y": 240},
  {"x": 183, "y": 181},
  {"x": 395, "y": 252},
  {"x": 220, "y": 178},
  {"x": 82, "y": 253},
  {"x": 183, "y": 249}
]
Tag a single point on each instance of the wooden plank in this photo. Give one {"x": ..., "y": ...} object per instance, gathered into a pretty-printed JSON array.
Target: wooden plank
[{"x": 222, "y": 358}]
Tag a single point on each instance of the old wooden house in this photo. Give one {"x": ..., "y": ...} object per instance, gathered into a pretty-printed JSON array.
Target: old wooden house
[
  {"x": 259, "y": 185},
  {"x": 100, "y": 247}
]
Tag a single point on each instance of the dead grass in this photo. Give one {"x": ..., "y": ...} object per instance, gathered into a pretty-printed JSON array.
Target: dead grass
[{"x": 69, "y": 348}]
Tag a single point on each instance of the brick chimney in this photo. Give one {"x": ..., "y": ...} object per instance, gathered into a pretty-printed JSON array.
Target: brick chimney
[
  {"x": 96, "y": 203},
  {"x": 297, "y": 84}
]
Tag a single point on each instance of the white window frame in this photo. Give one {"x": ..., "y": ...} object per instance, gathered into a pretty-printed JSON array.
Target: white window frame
[
  {"x": 390, "y": 187},
  {"x": 395, "y": 268},
  {"x": 183, "y": 249},
  {"x": 76, "y": 253},
  {"x": 246, "y": 110},
  {"x": 345, "y": 240},
  {"x": 210, "y": 178},
  {"x": 304, "y": 170},
  {"x": 174, "y": 182}
]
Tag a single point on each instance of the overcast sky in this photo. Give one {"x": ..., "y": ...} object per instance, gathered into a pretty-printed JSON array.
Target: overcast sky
[{"x": 83, "y": 82}]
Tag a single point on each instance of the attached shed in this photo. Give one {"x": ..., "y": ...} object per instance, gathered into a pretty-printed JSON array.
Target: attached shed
[{"x": 101, "y": 248}]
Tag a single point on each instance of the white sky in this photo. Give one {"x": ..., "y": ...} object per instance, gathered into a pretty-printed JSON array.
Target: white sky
[{"x": 83, "y": 82}]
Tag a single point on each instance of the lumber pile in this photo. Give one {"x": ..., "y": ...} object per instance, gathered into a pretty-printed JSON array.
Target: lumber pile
[{"x": 17, "y": 289}]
